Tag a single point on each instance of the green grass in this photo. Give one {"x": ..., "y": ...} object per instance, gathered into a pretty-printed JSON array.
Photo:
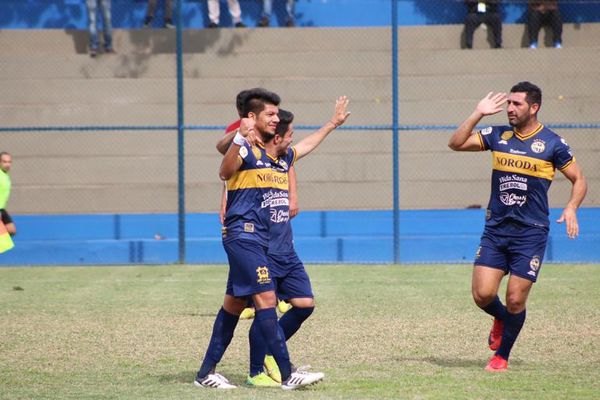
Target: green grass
[{"x": 379, "y": 332}]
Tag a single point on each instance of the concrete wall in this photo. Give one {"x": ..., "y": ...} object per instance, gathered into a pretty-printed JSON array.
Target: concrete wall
[{"x": 48, "y": 80}]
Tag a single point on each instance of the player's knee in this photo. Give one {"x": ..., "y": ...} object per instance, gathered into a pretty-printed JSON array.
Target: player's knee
[
  {"x": 303, "y": 302},
  {"x": 265, "y": 300},
  {"x": 234, "y": 305},
  {"x": 515, "y": 304},
  {"x": 482, "y": 298}
]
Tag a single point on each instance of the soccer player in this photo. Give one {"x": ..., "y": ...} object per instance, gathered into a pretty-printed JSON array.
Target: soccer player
[
  {"x": 222, "y": 146},
  {"x": 251, "y": 182},
  {"x": 525, "y": 155},
  {"x": 292, "y": 281},
  {"x": 5, "y": 186}
]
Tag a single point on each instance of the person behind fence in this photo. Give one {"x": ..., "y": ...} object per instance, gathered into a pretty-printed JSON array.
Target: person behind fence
[
  {"x": 5, "y": 186},
  {"x": 92, "y": 7},
  {"x": 168, "y": 18},
  {"x": 214, "y": 13},
  {"x": 525, "y": 156},
  {"x": 268, "y": 9},
  {"x": 544, "y": 12},
  {"x": 483, "y": 12}
]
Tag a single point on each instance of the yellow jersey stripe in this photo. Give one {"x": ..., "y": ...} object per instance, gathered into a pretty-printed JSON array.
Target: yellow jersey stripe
[
  {"x": 258, "y": 178},
  {"x": 535, "y": 132},
  {"x": 567, "y": 164},
  {"x": 523, "y": 165},
  {"x": 481, "y": 144}
]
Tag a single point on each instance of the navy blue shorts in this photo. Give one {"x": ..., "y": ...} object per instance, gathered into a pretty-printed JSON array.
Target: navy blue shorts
[
  {"x": 248, "y": 268},
  {"x": 513, "y": 247},
  {"x": 291, "y": 279}
]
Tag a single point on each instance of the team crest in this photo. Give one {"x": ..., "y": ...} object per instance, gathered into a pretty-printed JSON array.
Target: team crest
[
  {"x": 486, "y": 131},
  {"x": 538, "y": 146},
  {"x": 506, "y": 135},
  {"x": 248, "y": 227},
  {"x": 256, "y": 152},
  {"x": 534, "y": 264},
  {"x": 262, "y": 274}
]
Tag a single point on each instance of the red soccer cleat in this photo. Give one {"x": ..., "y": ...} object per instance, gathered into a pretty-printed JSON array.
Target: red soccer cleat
[
  {"x": 495, "y": 337},
  {"x": 497, "y": 364}
]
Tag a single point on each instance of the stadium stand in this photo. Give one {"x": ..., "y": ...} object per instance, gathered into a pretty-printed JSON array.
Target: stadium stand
[{"x": 118, "y": 230}]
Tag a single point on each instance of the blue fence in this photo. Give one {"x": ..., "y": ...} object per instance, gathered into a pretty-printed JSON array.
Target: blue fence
[{"x": 320, "y": 237}]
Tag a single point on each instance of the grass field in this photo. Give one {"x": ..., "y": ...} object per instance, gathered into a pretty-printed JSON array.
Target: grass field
[{"x": 379, "y": 332}]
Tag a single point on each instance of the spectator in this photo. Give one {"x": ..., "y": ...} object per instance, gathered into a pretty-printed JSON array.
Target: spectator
[
  {"x": 92, "y": 6},
  {"x": 483, "y": 12},
  {"x": 268, "y": 8},
  {"x": 544, "y": 12},
  {"x": 214, "y": 11},
  {"x": 168, "y": 14},
  {"x": 5, "y": 186}
]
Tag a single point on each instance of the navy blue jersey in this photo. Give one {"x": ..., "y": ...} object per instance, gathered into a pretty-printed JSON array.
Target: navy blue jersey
[
  {"x": 281, "y": 238},
  {"x": 250, "y": 194},
  {"x": 523, "y": 169}
]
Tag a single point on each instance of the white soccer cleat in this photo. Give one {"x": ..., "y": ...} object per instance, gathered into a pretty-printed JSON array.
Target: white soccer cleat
[
  {"x": 301, "y": 378},
  {"x": 214, "y": 381}
]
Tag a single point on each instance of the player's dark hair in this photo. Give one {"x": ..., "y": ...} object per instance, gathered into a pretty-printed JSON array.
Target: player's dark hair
[
  {"x": 4, "y": 153},
  {"x": 240, "y": 99},
  {"x": 285, "y": 119},
  {"x": 257, "y": 98},
  {"x": 533, "y": 94}
]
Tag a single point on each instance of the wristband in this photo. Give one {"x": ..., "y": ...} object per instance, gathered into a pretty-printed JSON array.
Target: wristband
[
  {"x": 239, "y": 139},
  {"x": 334, "y": 124}
]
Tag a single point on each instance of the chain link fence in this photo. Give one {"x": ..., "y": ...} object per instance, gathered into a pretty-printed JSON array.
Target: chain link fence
[{"x": 103, "y": 136}]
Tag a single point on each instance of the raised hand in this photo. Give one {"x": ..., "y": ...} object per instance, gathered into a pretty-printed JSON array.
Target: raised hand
[
  {"x": 492, "y": 104},
  {"x": 340, "y": 114}
]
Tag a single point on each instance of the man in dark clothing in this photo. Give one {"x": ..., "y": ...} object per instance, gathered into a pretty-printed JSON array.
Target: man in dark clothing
[{"x": 483, "y": 12}]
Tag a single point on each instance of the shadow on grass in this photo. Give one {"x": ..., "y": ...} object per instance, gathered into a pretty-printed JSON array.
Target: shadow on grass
[
  {"x": 458, "y": 363},
  {"x": 189, "y": 376},
  {"x": 180, "y": 377},
  {"x": 207, "y": 315}
]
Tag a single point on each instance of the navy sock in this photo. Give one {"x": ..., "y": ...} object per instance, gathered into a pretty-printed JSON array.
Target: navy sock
[
  {"x": 266, "y": 320},
  {"x": 512, "y": 327},
  {"x": 291, "y": 321},
  {"x": 496, "y": 309},
  {"x": 258, "y": 349},
  {"x": 222, "y": 334}
]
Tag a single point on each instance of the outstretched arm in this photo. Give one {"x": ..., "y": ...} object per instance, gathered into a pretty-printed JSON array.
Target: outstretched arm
[
  {"x": 310, "y": 142},
  {"x": 578, "y": 191},
  {"x": 463, "y": 138}
]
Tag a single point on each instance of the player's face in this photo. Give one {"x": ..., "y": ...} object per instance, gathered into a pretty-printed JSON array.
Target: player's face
[
  {"x": 518, "y": 110},
  {"x": 5, "y": 162},
  {"x": 266, "y": 121},
  {"x": 286, "y": 141}
]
